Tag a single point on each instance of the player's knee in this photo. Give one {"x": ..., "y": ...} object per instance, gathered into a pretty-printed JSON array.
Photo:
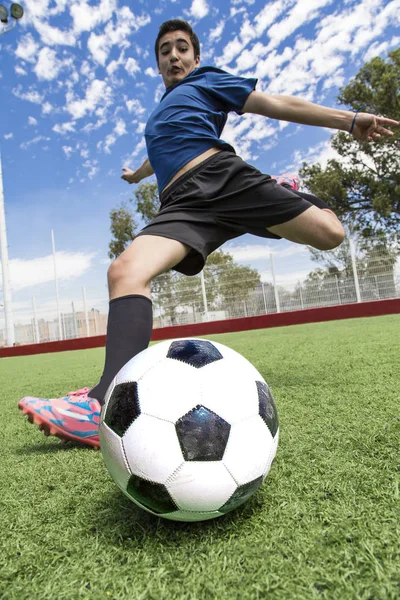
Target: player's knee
[
  {"x": 123, "y": 272},
  {"x": 332, "y": 237}
]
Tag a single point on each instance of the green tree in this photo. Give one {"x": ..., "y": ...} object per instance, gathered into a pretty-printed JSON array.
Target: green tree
[
  {"x": 123, "y": 228},
  {"x": 363, "y": 187},
  {"x": 232, "y": 283}
]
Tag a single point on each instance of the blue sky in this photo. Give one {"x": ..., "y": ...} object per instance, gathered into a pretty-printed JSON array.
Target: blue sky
[{"x": 78, "y": 80}]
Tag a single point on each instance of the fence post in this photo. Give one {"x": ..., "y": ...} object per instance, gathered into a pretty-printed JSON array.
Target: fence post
[
  {"x": 265, "y": 301},
  {"x": 74, "y": 321},
  {"x": 60, "y": 327},
  {"x": 203, "y": 290},
  {"x": 278, "y": 306},
  {"x": 85, "y": 311},
  {"x": 355, "y": 274},
  {"x": 377, "y": 287},
  {"x": 36, "y": 336},
  {"x": 337, "y": 289},
  {"x": 301, "y": 296}
]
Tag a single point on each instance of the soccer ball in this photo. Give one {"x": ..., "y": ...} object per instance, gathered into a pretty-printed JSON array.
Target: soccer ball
[{"x": 189, "y": 429}]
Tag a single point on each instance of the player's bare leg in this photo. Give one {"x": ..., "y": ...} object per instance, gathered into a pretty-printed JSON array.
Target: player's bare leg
[
  {"x": 315, "y": 227},
  {"x": 147, "y": 257}
]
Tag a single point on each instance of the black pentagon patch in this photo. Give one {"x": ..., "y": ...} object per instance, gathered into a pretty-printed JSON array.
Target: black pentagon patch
[
  {"x": 123, "y": 407},
  {"x": 267, "y": 407},
  {"x": 197, "y": 353},
  {"x": 153, "y": 496},
  {"x": 202, "y": 434},
  {"x": 241, "y": 495}
]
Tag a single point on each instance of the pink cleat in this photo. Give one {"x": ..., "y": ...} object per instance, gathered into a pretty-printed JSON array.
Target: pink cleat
[
  {"x": 290, "y": 179},
  {"x": 75, "y": 417}
]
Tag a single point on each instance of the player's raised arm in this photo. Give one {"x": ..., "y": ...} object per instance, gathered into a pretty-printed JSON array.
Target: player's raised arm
[
  {"x": 363, "y": 126},
  {"x": 145, "y": 170}
]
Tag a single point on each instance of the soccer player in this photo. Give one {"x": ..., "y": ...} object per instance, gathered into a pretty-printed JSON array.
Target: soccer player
[{"x": 208, "y": 195}]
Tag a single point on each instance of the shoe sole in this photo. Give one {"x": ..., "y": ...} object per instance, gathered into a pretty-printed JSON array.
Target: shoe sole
[{"x": 51, "y": 429}]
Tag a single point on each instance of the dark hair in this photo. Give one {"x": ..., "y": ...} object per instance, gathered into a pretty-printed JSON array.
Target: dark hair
[{"x": 178, "y": 25}]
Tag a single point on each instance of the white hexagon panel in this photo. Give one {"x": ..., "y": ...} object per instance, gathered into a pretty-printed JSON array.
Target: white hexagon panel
[
  {"x": 114, "y": 457},
  {"x": 169, "y": 390},
  {"x": 228, "y": 392},
  {"x": 249, "y": 449},
  {"x": 152, "y": 448},
  {"x": 201, "y": 486}
]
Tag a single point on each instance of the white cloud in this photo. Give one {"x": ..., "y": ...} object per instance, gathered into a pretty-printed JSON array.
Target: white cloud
[
  {"x": 36, "y": 140},
  {"x": 20, "y": 71},
  {"x": 134, "y": 106},
  {"x": 97, "y": 93},
  {"x": 8, "y": 136},
  {"x": 27, "y": 48},
  {"x": 32, "y": 121},
  {"x": 91, "y": 165},
  {"x": 215, "y": 34},
  {"x": 47, "y": 66},
  {"x": 287, "y": 280},
  {"x": 119, "y": 130},
  {"x": 255, "y": 252},
  {"x": 31, "y": 95},
  {"x": 64, "y": 128},
  {"x": 131, "y": 66},
  {"x": 68, "y": 150},
  {"x": 377, "y": 49},
  {"x": 115, "y": 35},
  {"x": 151, "y": 72},
  {"x": 70, "y": 265},
  {"x": 86, "y": 17},
  {"x": 47, "y": 108},
  {"x": 199, "y": 9}
]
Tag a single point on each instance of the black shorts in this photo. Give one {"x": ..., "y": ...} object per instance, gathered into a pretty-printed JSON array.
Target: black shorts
[{"x": 220, "y": 199}]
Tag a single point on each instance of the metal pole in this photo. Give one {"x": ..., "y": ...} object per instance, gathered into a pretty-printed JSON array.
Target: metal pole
[
  {"x": 60, "y": 331},
  {"x": 337, "y": 289},
  {"x": 36, "y": 337},
  {"x": 301, "y": 296},
  {"x": 278, "y": 306},
  {"x": 265, "y": 301},
  {"x": 8, "y": 314},
  {"x": 203, "y": 289},
  {"x": 85, "y": 311},
  {"x": 355, "y": 274},
  {"x": 74, "y": 320}
]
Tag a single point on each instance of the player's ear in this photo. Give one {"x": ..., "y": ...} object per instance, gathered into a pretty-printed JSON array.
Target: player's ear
[{"x": 197, "y": 61}]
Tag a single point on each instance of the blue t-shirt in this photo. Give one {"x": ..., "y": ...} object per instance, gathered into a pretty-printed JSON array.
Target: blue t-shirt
[{"x": 190, "y": 118}]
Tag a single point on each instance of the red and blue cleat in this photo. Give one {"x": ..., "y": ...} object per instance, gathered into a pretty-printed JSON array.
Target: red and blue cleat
[
  {"x": 75, "y": 417},
  {"x": 290, "y": 179}
]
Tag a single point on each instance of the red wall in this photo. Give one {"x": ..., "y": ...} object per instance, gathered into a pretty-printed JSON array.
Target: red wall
[{"x": 310, "y": 315}]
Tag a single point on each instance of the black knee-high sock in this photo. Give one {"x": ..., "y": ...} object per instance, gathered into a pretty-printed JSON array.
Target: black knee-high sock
[
  {"x": 129, "y": 327},
  {"x": 310, "y": 197}
]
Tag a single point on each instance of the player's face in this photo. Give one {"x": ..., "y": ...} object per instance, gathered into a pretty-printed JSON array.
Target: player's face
[{"x": 176, "y": 57}]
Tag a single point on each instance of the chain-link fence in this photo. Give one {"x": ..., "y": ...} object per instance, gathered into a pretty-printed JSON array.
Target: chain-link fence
[{"x": 215, "y": 295}]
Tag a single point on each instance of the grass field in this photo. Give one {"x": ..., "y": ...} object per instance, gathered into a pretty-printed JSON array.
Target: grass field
[{"x": 326, "y": 523}]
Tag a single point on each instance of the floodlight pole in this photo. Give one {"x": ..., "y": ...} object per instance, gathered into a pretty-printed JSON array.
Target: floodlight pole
[
  {"x": 60, "y": 331},
  {"x": 10, "y": 334},
  {"x": 7, "y": 29}
]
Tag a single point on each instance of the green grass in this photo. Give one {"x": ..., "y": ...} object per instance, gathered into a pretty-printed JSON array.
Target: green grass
[{"x": 326, "y": 523}]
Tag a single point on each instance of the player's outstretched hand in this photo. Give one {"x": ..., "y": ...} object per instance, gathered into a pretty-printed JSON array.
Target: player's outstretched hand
[
  {"x": 131, "y": 176},
  {"x": 368, "y": 128}
]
